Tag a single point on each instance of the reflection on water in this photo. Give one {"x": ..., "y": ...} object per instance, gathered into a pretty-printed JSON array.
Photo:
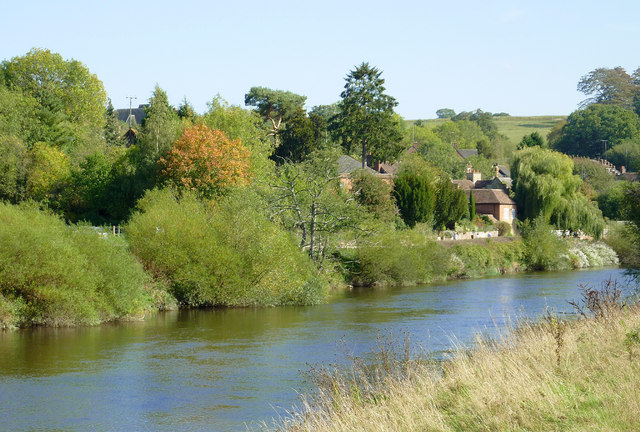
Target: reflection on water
[{"x": 224, "y": 368}]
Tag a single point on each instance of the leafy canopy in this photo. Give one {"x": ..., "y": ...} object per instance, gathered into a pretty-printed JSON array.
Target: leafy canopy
[
  {"x": 206, "y": 161},
  {"x": 274, "y": 106},
  {"x": 586, "y": 129},
  {"x": 545, "y": 186}
]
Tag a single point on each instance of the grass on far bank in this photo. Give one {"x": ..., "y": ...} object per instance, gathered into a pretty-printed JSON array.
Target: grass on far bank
[{"x": 553, "y": 375}]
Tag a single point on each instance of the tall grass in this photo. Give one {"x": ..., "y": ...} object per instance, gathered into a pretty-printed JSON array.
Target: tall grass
[
  {"x": 58, "y": 275},
  {"x": 551, "y": 375}
]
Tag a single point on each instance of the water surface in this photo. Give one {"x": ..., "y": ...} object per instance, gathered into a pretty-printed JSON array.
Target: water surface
[{"x": 227, "y": 369}]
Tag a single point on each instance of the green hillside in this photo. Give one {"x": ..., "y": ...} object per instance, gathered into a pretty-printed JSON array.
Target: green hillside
[{"x": 517, "y": 127}]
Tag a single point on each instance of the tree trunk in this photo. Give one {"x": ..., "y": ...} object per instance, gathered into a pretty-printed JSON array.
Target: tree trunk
[{"x": 312, "y": 229}]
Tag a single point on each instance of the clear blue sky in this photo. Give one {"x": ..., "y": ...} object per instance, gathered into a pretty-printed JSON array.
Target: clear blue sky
[{"x": 520, "y": 57}]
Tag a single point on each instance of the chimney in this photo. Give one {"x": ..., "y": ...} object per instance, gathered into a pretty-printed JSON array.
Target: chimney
[{"x": 473, "y": 175}]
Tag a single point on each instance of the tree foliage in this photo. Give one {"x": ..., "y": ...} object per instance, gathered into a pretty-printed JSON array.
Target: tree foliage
[
  {"x": 610, "y": 87},
  {"x": 299, "y": 139},
  {"x": 305, "y": 198},
  {"x": 439, "y": 153},
  {"x": 626, "y": 154},
  {"x": 445, "y": 113},
  {"x": 206, "y": 161},
  {"x": 240, "y": 123},
  {"x": 451, "y": 205},
  {"x": 113, "y": 130},
  {"x": 532, "y": 140},
  {"x": 13, "y": 169},
  {"x": 374, "y": 194},
  {"x": 415, "y": 191},
  {"x": 274, "y": 106},
  {"x": 48, "y": 173},
  {"x": 586, "y": 129},
  {"x": 472, "y": 206},
  {"x": 160, "y": 127},
  {"x": 59, "y": 85},
  {"x": 366, "y": 119},
  {"x": 544, "y": 186}
]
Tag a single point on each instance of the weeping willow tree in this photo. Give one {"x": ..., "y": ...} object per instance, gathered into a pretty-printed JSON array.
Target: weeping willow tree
[{"x": 544, "y": 185}]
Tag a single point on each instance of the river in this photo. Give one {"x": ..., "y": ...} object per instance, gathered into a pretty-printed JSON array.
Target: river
[{"x": 229, "y": 369}]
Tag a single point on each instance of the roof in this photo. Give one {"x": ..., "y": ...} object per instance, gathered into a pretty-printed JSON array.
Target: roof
[
  {"x": 491, "y": 196},
  {"x": 466, "y": 184},
  {"x": 463, "y": 184},
  {"x": 137, "y": 113},
  {"x": 629, "y": 176},
  {"x": 347, "y": 165},
  {"x": 494, "y": 183},
  {"x": 504, "y": 171},
  {"x": 467, "y": 153}
]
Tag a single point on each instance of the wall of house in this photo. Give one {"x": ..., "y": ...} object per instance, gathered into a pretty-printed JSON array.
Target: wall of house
[{"x": 502, "y": 212}]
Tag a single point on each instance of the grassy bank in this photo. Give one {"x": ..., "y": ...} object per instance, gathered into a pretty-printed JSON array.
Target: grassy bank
[
  {"x": 553, "y": 375},
  {"x": 409, "y": 258}
]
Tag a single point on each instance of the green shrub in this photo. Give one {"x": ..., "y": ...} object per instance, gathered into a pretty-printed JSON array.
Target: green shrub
[
  {"x": 220, "y": 254},
  {"x": 399, "y": 257},
  {"x": 622, "y": 239},
  {"x": 504, "y": 228},
  {"x": 490, "y": 258},
  {"x": 53, "y": 274},
  {"x": 543, "y": 249}
]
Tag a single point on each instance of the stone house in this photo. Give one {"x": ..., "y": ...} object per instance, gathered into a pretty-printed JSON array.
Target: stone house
[{"x": 491, "y": 196}]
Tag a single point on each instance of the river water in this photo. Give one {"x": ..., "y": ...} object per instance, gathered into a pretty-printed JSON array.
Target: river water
[{"x": 229, "y": 369}]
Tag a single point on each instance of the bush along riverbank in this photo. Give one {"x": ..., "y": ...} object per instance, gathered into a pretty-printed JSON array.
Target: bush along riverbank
[
  {"x": 58, "y": 275},
  {"x": 179, "y": 251},
  {"x": 408, "y": 257},
  {"x": 550, "y": 375}
]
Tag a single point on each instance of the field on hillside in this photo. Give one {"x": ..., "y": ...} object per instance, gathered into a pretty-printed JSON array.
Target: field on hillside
[{"x": 516, "y": 127}]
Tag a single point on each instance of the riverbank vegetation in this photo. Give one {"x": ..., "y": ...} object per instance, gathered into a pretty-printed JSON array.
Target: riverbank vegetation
[
  {"x": 243, "y": 207},
  {"x": 549, "y": 375},
  {"x": 54, "y": 274},
  {"x": 222, "y": 254}
]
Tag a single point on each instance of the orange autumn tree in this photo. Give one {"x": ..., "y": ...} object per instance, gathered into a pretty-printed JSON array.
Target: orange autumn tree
[{"x": 206, "y": 161}]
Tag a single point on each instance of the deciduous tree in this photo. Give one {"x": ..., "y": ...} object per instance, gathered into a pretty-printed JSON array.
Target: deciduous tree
[
  {"x": 608, "y": 86},
  {"x": 160, "y": 127},
  {"x": 545, "y": 186},
  {"x": 305, "y": 198},
  {"x": 206, "y": 161},
  {"x": 586, "y": 129},
  {"x": 58, "y": 85},
  {"x": 445, "y": 113}
]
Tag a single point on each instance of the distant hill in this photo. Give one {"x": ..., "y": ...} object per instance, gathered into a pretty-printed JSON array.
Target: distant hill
[{"x": 517, "y": 127}]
